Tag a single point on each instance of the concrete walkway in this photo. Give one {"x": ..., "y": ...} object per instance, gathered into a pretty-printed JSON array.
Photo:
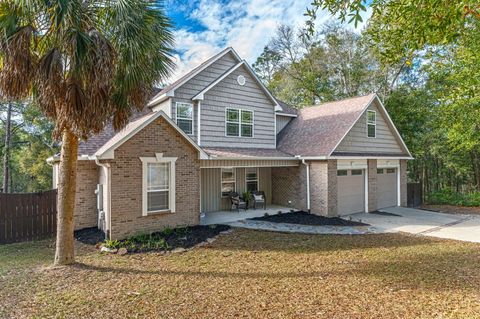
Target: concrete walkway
[
  {"x": 304, "y": 229},
  {"x": 422, "y": 222}
]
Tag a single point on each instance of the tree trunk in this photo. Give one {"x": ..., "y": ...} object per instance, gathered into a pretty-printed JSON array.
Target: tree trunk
[
  {"x": 64, "y": 253},
  {"x": 6, "y": 149}
]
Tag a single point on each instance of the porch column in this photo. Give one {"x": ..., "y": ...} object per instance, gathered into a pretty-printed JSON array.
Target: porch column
[
  {"x": 372, "y": 185},
  {"x": 323, "y": 188}
]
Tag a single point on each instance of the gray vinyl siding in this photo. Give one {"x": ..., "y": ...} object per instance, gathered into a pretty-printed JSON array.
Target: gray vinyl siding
[
  {"x": 187, "y": 91},
  {"x": 229, "y": 94},
  {"x": 357, "y": 141},
  {"x": 282, "y": 121},
  {"x": 211, "y": 187}
]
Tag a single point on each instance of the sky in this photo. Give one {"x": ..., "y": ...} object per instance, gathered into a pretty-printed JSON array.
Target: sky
[{"x": 204, "y": 27}]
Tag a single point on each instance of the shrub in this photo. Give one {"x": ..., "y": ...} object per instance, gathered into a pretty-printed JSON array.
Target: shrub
[{"x": 448, "y": 196}]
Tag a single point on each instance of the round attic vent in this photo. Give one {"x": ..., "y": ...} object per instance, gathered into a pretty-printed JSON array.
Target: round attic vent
[{"x": 241, "y": 80}]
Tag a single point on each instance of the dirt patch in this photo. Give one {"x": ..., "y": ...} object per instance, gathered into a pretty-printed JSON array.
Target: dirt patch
[
  {"x": 89, "y": 236},
  {"x": 304, "y": 218},
  {"x": 452, "y": 209}
]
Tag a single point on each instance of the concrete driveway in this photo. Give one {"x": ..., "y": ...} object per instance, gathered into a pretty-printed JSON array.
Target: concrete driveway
[{"x": 422, "y": 222}]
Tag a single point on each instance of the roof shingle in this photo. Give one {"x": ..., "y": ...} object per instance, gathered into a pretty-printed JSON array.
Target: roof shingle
[{"x": 318, "y": 129}]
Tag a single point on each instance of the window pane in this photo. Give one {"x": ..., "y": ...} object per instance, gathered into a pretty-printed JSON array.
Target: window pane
[
  {"x": 371, "y": 130},
  {"x": 342, "y": 173},
  {"x": 227, "y": 188},
  {"x": 390, "y": 170},
  {"x": 228, "y": 175},
  {"x": 157, "y": 201},
  {"x": 158, "y": 176},
  {"x": 380, "y": 171},
  {"x": 251, "y": 175},
  {"x": 232, "y": 115},
  {"x": 371, "y": 117},
  {"x": 252, "y": 186},
  {"x": 356, "y": 172},
  {"x": 185, "y": 125},
  {"x": 247, "y": 130},
  {"x": 184, "y": 111},
  {"x": 247, "y": 117},
  {"x": 232, "y": 129}
]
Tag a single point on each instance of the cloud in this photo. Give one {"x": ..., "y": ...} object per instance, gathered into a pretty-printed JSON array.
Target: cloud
[{"x": 245, "y": 25}]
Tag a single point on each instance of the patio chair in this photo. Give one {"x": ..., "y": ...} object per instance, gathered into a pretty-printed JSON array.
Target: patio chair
[
  {"x": 237, "y": 202},
  {"x": 259, "y": 198}
]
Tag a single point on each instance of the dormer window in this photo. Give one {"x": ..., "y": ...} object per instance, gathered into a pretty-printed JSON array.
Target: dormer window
[
  {"x": 185, "y": 117},
  {"x": 371, "y": 124}
]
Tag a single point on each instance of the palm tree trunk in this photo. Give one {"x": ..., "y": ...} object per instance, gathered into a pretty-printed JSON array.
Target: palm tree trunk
[
  {"x": 6, "y": 148},
  {"x": 64, "y": 253}
]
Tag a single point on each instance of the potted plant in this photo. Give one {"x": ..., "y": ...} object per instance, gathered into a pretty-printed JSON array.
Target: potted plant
[{"x": 246, "y": 197}]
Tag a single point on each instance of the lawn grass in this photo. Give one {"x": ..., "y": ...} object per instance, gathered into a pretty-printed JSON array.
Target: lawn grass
[{"x": 252, "y": 274}]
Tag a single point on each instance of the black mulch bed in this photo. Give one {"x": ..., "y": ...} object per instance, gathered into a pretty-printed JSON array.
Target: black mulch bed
[
  {"x": 89, "y": 236},
  {"x": 169, "y": 239},
  {"x": 385, "y": 213},
  {"x": 304, "y": 218},
  {"x": 191, "y": 236}
]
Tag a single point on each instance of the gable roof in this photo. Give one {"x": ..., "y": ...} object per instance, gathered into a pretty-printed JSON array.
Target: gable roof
[
  {"x": 132, "y": 128},
  {"x": 318, "y": 130},
  {"x": 200, "y": 95},
  {"x": 168, "y": 90}
]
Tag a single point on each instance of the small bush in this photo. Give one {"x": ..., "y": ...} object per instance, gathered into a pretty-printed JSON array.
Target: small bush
[
  {"x": 112, "y": 244},
  {"x": 448, "y": 196},
  {"x": 167, "y": 231}
]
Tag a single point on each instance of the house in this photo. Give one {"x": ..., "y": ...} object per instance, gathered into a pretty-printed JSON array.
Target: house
[{"x": 218, "y": 129}]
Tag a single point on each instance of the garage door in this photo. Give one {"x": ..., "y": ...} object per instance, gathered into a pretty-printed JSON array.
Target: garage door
[
  {"x": 351, "y": 191},
  {"x": 386, "y": 187}
]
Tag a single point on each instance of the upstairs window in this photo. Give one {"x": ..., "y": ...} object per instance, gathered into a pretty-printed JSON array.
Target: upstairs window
[
  {"x": 239, "y": 123},
  {"x": 185, "y": 117},
  {"x": 251, "y": 179},
  {"x": 371, "y": 123}
]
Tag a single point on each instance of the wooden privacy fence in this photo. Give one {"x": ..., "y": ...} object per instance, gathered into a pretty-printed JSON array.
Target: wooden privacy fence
[
  {"x": 414, "y": 194},
  {"x": 25, "y": 217}
]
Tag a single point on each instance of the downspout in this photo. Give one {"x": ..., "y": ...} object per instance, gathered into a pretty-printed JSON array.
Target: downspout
[
  {"x": 108, "y": 219},
  {"x": 308, "y": 182},
  {"x": 198, "y": 121}
]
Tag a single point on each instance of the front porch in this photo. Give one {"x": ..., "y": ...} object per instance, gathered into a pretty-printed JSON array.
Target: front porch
[{"x": 228, "y": 216}]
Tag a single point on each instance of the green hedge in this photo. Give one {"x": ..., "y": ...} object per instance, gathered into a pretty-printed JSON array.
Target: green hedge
[{"x": 450, "y": 197}]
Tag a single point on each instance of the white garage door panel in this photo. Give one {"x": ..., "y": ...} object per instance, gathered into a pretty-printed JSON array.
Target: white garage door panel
[
  {"x": 351, "y": 193},
  {"x": 386, "y": 189}
]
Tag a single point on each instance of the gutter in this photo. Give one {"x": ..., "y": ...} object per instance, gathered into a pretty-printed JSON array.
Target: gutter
[{"x": 107, "y": 211}]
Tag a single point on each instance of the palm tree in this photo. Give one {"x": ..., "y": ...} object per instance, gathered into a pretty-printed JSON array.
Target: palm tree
[{"x": 84, "y": 62}]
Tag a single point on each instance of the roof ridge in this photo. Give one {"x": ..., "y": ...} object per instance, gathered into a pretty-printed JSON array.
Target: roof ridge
[{"x": 341, "y": 100}]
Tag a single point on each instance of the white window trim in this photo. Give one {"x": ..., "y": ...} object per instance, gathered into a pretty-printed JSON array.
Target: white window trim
[
  {"x": 256, "y": 180},
  {"x": 234, "y": 179},
  {"x": 239, "y": 122},
  {"x": 171, "y": 198},
  {"x": 184, "y": 118},
  {"x": 372, "y": 123}
]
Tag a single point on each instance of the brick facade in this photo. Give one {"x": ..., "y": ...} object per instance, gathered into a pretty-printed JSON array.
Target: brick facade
[
  {"x": 372, "y": 184},
  {"x": 323, "y": 188},
  {"x": 85, "y": 212},
  {"x": 289, "y": 187},
  {"x": 403, "y": 182},
  {"x": 126, "y": 181}
]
